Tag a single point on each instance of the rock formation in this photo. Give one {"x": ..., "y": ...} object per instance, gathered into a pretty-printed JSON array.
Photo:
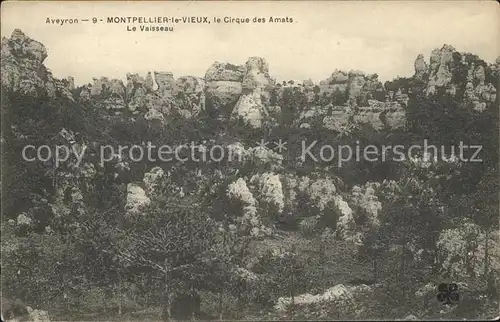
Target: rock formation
[
  {"x": 22, "y": 68},
  {"x": 444, "y": 73},
  {"x": 256, "y": 83},
  {"x": 223, "y": 86},
  {"x": 247, "y": 93},
  {"x": 110, "y": 94},
  {"x": 189, "y": 92},
  {"x": 354, "y": 85},
  {"x": 136, "y": 199},
  {"x": 420, "y": 67},
  {"x": 149, "y": 83},
  {"x": 165, "y": 82},
  {"x": 337, "y": 81},
  {"x": 339, "y": 298}
]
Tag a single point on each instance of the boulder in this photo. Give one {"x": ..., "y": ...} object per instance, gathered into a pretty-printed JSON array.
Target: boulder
[
  {"x": 338, "y": 120},
  {"x": 250, "y": 109},
  {"x": 224, "y": 84},
  {"x": 225, "y": 72},
  {"x": 239, "y": 190},
  {"x": 222, "y": 95},
  {"x": 37, "y": 315},
  {"x": 137, "y": 199},
  {"x": 270, "y": 190},
  {"x": 336, "y": 303},
  {"x": 411, "y": 317},
  {"x": 485, "y": 92}
]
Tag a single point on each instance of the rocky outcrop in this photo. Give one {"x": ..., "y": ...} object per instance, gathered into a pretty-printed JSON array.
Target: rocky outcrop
[
  {"x": 247, "y": 94},
  {"x": 84, "y": 94},
  {"x": 256, "y": 74},
  {"x": 483, "y": 93},
  {"x": 134, "y": 81},
  {"x": 270, "y": 189},
  {"x": 165, "y": 82},
  {"x": 445, "y": 73},
  {"x": 337, "y": 81},
  {"x": 441, "y": 61},
  {"x": 155, "y": 99},
  {"x": 158, "y": 108},
  {"x": 347, "y": 98},
  {"x": 225, "y": 72},
  {"x": 382, "y": 115},
  {"x": 22, "y": 69},
  {"x": 189, "y": 85},
  {"x": 353, "y": 86},
  {"x": 338, "y": 119},
  {"x": 242, "y": 92},
  {"x": 256, "y": 85},
  {"x": 137, "y": 199},
  {"x": 337, "y": 301},
  {"x": 221, "y": 95},
  {"x": 37, "y": 315},
  {"x": 16, "y": 310},
  {"x": 249, "y": 218},
  {"x": 189, "y": 93},
  {"x": 136, "y": 91},
  {"x": 141, "y": 96},
  {"x": 109, "y": 94},
  {"x": 152, "y": 180},
  {"x": 259, "y": 157},
  {"x": 411, "y": 317},
  {"x": 223, "y": 86},
  {"x": 250, "y": 109},
  {"x": 420, "y": 67},
  {"x": 148, "y": 82}
]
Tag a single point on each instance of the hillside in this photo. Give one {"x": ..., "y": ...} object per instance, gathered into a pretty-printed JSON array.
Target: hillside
[{"x": 154, "y": 199}]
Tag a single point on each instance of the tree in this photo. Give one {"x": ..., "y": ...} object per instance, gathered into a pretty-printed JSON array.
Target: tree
[{"x": 173, "y": 238}]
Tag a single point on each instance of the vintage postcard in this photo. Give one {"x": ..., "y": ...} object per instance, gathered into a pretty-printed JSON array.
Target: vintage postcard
[{"x": 251, "y": 160}]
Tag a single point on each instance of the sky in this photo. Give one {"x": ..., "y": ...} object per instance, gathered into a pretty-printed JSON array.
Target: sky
[{"x": 376, "y": 37}]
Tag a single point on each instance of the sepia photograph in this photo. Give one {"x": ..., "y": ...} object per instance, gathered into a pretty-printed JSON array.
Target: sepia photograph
[{"x": 250, "y": 160}]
